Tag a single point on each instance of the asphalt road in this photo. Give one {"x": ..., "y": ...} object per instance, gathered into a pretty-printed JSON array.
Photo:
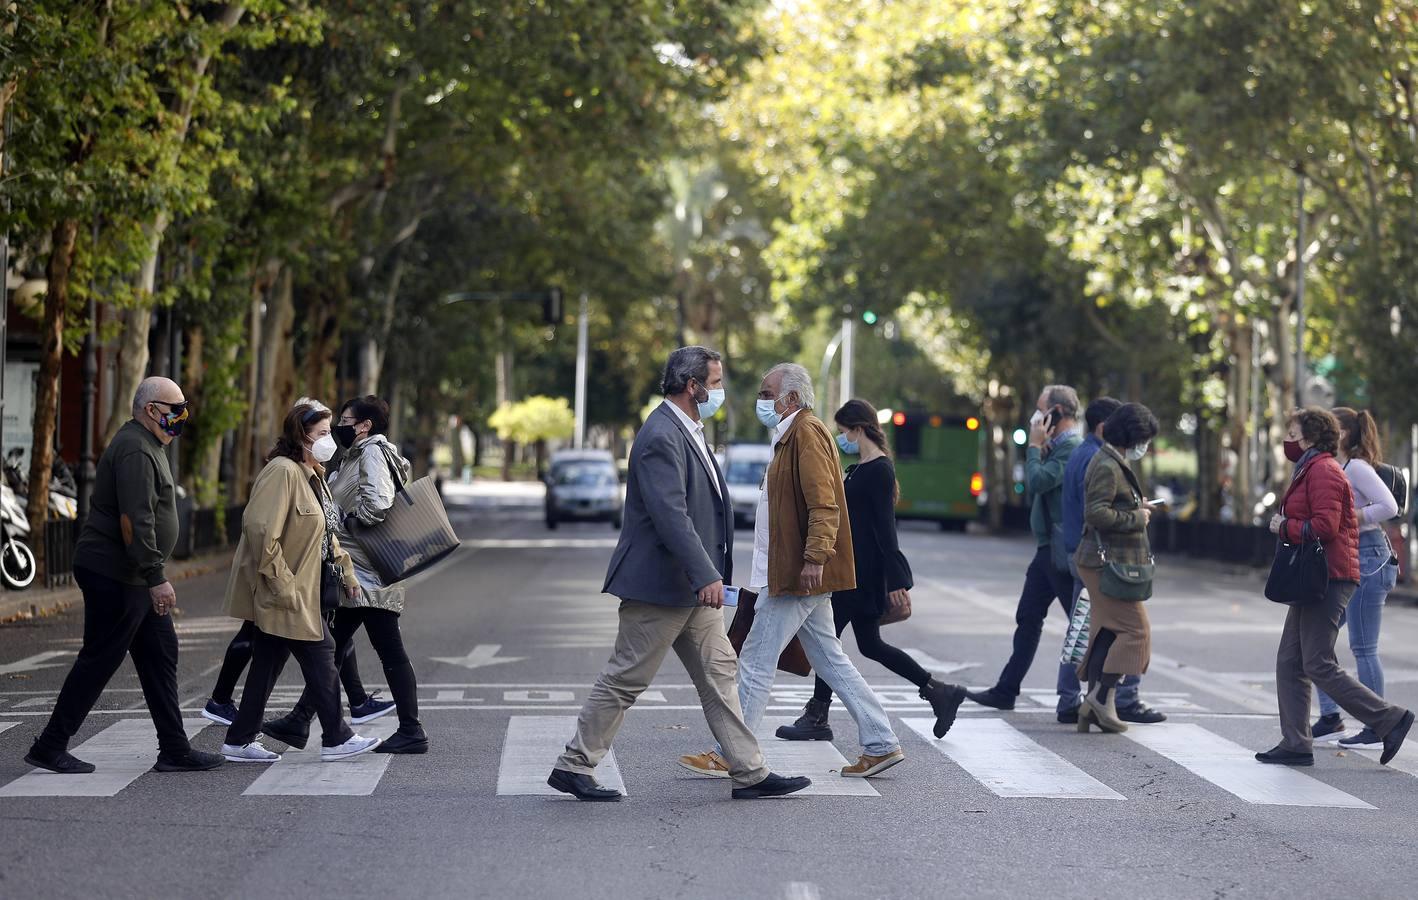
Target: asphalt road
[{"x": 509, "y": 635}]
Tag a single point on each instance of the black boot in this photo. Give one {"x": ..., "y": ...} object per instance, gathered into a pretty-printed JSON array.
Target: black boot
[
  {"x": 811, "y": 725},
  {"x": 402, "y": 741},
  {"x": 290, "y": 728},
  {"x": 945, "y": 700}
]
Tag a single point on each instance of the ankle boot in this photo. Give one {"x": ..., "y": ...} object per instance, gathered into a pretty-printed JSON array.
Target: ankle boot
[
  {"x": 1105, "y": 712},
  {"x": 945, "y": 700},
  {"x": 811, "y": 725},
  {"x": 1085, "y": 717}
]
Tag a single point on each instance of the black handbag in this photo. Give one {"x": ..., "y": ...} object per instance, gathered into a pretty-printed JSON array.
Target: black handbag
[
  {"x": 1300, "y": 573},
  {"x": 332, "y": 580}
]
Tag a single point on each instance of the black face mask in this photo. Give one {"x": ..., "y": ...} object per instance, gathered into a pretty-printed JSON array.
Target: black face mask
[{"x": 344, "y": 435}]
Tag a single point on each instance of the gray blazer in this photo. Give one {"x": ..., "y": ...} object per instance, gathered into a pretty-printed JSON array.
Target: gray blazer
[{"x": 678, "y": 533}]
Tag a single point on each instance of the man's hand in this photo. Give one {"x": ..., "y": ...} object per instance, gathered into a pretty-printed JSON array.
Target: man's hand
[
  {"x": 712, "y": 595},
  {"x": 1039, "y": 434},
  {"x": 811, "y": 578},
  {"x": 1275, "y": 522},
  {"x": 164, "y": 598}
]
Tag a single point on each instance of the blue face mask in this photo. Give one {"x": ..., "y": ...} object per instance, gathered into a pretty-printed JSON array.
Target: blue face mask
[
  {"x": 768, "y": 413},
  {"x": 711, "y": 404},
  {"x": 851, "y": 448}
]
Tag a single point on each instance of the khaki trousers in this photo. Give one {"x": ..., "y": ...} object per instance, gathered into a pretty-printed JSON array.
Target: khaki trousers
[{"x": 647, "y": 632}]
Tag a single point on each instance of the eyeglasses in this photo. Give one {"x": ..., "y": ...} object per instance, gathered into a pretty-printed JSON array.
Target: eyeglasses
[{"x": 179, "y": 407}]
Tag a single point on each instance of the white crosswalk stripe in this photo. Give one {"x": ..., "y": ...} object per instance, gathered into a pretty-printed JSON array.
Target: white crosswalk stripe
[
  {"x": 1002, "y": 759},
  {"x": 300, "y": 773},
  {"x": 6, "y": 726},
  {"x": 530, "y": 750},
  {"x": 818, "y": 760},
  {"x": 1234, "y": 769},
  {"x": 121, "y": 752}
]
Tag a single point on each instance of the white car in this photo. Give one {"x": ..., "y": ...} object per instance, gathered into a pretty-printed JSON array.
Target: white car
[{"x": 744, "y": 467}]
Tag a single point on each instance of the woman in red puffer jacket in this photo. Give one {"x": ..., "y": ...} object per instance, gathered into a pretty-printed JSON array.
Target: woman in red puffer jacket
[{"x": 1320, "y": 497}]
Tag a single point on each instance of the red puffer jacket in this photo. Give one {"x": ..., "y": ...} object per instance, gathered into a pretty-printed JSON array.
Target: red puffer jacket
[{"x": 1321, "y": 496}]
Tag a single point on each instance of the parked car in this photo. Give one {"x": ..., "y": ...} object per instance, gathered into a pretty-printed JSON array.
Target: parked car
[
  {"x": 584, "y": 486},
  {"x": 744, "y": 466}
]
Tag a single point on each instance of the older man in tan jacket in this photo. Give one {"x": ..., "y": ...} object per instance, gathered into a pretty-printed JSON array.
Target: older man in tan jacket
[{"x": 802, "y": 552}]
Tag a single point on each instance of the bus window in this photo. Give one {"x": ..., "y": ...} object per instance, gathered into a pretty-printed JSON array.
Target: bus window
[{"x": 908, "y": 439}]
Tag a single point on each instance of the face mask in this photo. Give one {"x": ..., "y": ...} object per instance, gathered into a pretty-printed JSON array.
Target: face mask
[
  {"x": 710, "y": 405},
  {"x": 171, "y": 422},
  {"x": 345, "y": 435},
  {"x": 851, "y": 448},
  {"x": 768, "y": 413},
  {"x": 1138, "y": 452},
  {"x": 1293, "y": 451},
  {"x": 324, "y": 449}
]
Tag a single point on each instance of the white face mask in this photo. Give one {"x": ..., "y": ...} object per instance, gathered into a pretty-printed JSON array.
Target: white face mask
[
  {"x": 324, "y": 449},
  {"x": 1138, "y": 452}
]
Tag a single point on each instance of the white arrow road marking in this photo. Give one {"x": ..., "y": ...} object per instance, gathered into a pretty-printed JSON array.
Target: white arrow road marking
[
  {"x": 931, "y": 664},
  {"x": 479, "y": 656},
  {"x": 6, "y": 726},
  {"x": 38, "y": 661}
]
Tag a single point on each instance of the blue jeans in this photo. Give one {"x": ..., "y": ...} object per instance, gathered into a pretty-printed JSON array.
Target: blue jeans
[
  {"x": 1377, "y": 576},
  {"x": 775, "y": 621},
  {"x": 1070, "y": 691}
]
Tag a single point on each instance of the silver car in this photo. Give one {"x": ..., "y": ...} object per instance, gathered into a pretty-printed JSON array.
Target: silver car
[{"x": 584, "y": 486}]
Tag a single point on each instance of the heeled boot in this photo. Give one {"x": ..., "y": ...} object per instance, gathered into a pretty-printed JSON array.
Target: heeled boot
[{"x": 1101, "y": 701}]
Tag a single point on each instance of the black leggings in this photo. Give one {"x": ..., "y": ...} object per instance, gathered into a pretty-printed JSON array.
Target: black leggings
[
  {"x": 382, "y": 626},
  {"x": 238, "y": 657},
  {"x": 866, "y": 625}
]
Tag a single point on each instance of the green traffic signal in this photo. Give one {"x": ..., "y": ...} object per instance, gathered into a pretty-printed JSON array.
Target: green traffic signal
[{"x": 869, "y": 317}]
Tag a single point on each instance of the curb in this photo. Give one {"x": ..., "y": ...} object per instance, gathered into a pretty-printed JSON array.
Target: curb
[{"x": 21, "y": 606}]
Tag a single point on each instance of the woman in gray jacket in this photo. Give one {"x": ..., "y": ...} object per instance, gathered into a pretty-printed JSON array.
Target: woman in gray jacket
[{"x": 363, "y": 487}]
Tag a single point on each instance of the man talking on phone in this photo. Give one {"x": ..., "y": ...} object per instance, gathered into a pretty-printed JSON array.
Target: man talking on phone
[
  {"x": 669, "y": 569},
  {"x": 1052, "y": 440}
]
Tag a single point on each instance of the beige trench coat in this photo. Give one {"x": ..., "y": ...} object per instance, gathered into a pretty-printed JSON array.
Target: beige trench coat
[{"x": 275, "y": 578}]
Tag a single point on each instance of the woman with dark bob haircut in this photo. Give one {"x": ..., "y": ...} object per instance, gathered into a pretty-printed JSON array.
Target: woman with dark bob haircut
[
  {"x": 1320, "y": 505},
  {"x": 1114, "y": 530}
]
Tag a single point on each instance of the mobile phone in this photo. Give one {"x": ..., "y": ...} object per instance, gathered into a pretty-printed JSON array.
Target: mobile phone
[
  {"x": 1156, "y": 503},
  {"x": 1052, "y": 419},
  {"x": 731, "y": 596}
]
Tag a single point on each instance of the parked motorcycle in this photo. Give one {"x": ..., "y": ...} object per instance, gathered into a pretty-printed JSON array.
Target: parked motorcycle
[
  {"x": 17, "y": 562},
  {"x": 63, "y": 489}
]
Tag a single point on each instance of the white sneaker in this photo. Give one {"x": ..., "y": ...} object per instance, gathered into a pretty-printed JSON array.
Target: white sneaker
[
  {"x": 252, "y": 753},
  {"x": 352, "y": 747}
]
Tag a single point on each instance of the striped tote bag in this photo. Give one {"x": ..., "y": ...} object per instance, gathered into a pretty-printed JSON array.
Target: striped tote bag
[{"x": 415, "y": 532}]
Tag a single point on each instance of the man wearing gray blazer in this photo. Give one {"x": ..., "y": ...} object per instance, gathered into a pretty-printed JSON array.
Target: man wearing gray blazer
[{"x": 669, "y": 568}]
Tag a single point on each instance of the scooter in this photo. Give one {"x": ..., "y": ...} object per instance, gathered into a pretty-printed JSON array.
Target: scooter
[
  {"x": 63, "y": 492},
  {"x": 17, "y": 562}
]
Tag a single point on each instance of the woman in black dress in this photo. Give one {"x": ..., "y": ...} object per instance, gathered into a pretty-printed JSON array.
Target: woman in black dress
[{"x": 883, "y": 576}]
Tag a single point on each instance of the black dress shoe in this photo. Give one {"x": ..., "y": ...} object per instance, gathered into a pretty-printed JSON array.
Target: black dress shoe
[
  {"x": 1141, "y": 714},
  {"x": 288, "y": 730},
  {"x": 61, "y": 762},
  {"x": 399, "y": 742},
  {"x": 1394, "y": 739},
  {"x": 772, "y": 786},
  {"x": 1282, "y": 757},
  {"x": 191, "y": 761},
  {"x": 992, "y": 698},
  {"x": 582, "y": 787},
  {"x": 1069, "y": 717}
]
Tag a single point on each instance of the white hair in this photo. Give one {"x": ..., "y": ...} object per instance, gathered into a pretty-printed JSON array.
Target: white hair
[{"x": 796, "y": 380}]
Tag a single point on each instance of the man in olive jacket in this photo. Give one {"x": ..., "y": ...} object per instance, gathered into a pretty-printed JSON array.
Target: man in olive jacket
[
  {"x": 127, "y": 538},
  {"x": 802, "y": 552},
  {"x": 674, "y": 556}
]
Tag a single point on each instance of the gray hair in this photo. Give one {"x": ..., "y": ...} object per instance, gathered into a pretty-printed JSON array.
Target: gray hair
[
  {"x": 148, "y": 391},
  {"x": 685, "y": 364},
  {"x": 1064, "y": 397},
  {"x": 796, "y": 380}
]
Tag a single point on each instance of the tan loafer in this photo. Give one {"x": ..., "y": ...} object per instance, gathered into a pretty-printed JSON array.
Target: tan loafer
[
  {"x": 710, "y": 764},
  {"x": 867, "y": 765}
]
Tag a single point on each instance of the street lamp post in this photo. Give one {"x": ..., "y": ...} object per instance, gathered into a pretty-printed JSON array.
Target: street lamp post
[
  {"x": 582, "y": 341},
  {"x": 1300, "y": 298}
]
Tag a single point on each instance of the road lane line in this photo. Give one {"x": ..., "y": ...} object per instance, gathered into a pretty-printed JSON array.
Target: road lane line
[
  {"x": 1234, "y": 768},
  {"x": 1010, "y": 764},
  {"x": 802, "y": 890},
  {"x": 300, "y": 773},
  {"x": 122, "y": 752},
  {"x": 818, "y": 760},
  {"x": 931, "y": 664},
  {"x": 6, "y": 726},
  {"x": 530, "y": 750}
]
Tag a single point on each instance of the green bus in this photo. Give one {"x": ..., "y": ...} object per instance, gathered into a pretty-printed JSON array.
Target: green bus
[{"x": 938, "y": 465}]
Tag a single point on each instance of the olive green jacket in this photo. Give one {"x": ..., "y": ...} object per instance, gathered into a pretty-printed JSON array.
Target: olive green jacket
[{"x": 1112, "y": 514}]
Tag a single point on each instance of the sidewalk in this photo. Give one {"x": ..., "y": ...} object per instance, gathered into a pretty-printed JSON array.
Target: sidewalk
[{"x": 33, "y": 603}]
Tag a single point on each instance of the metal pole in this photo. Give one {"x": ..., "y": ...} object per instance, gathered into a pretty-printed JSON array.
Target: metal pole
[
  {"x": 5, "y": 244},
  {"x": 582, "y": 328},
  {"x": 827, "y": 356},
  {"x": 848, "y": 359},
  {"x": 1300, "y": 299}
]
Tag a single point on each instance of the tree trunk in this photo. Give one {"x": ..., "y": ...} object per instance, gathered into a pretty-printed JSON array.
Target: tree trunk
[
  {"x": 455, "y": 443},
  {"x": 509, "y": 454},
  {"x": 373, "y": 351},
  {"x": 46, "y": 403},
  {"x": 541, "y": 450},
  {"x": 278, "y": 388}
]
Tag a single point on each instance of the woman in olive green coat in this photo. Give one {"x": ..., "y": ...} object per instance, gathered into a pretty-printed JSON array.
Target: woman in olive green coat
[
  {"x": 1115, "y": 525},
  {"x": 287, "y": 538}
]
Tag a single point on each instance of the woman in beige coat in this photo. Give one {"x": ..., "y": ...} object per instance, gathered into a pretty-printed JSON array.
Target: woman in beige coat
[{"x": 287, "y": 535}]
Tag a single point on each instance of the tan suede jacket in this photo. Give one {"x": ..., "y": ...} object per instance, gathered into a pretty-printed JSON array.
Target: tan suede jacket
[{"x": 807, "y": 510}]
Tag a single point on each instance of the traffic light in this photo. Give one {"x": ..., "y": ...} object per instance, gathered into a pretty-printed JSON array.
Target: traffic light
[
  {"x": 869, "y": 317},
  {"x": 1020, "y": 436}
]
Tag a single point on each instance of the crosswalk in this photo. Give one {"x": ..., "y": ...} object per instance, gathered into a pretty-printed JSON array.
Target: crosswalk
[{"x": 988, "y": 750}]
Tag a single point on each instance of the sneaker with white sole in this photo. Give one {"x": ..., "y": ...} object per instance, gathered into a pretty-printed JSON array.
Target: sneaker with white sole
[
  {"x": 372, "y": 708},
  {"x": 869, "y": 765},
  {"x": 248, "y": 753},
  {"x": 1364, "y": 740},
  {"x": 221, "y": 713},
  {"x": 352, "y": 747},
  {"x": 1327, "y": 729},
  {"x": 711, "y": 764}
]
